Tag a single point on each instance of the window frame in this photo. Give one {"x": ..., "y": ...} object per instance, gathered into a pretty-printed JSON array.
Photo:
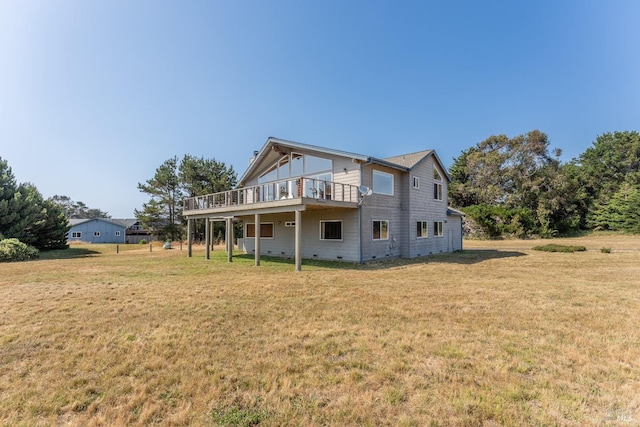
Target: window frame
[
  {"x": 384, "y": 175},
  {"x": 118, "y": 233},
  {"x": 322, "y": 230},
  {"x": 96, "y": 234},
  {"x": 252, "y": 226},
  {"x": 437, "y": 191},
  {"x": 423, "y": 226},
  {"x": 76, "y": 234},
  {"x": 415, "y": 182},
  {"x": 438, "y": 229},
  {"x": 380, "y": 221}
]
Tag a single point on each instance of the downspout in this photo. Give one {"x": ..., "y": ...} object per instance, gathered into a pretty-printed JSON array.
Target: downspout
[{"x": 360, "y": 208}]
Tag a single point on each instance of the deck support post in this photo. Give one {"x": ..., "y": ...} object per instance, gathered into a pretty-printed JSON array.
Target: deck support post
[
  {"x": 207, "y": 238},
  {"x": 298, "y": 235},
  {"x": 229, "y": 238},
  {"x": 257, "y": 239},
  {"x": 189, "y": 237}
]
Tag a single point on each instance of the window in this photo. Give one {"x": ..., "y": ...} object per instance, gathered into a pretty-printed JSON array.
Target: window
[
  {"x": 96, "y": 234},
  {"x": 437, "y": 229},
  {"x": 290, "y": 224},
  {"x": 422, "y": 230},
  {"x": 117, "y": 234},
  {"x": 266, "y": 230},
  {"x": 330, "y": 230},
  {"x": 380, "y": 230},
  {"x": 437, "y": 191},
  {"x": 382, "y": 183},
  {"x": 76, "y": 234},
  {"x": 437, "y": 186},
  {"x": 415, "y": 182}
]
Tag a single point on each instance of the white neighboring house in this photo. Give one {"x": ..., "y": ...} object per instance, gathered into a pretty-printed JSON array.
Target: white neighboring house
[{"x": 321, "y": 203}]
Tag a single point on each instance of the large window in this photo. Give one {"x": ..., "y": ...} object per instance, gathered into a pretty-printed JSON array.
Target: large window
[
  {"x": 422, "y": 229},
  {"x": 266, "y": 230},
  {"x": 293, "y": 165},
  {"x": 380, "y": 229},
  {"x": 437, "y": 229},
  {"x": 382, "y": 183},
  {"x": 330, "y": 230},
  {"x": 437, "y": 185}
]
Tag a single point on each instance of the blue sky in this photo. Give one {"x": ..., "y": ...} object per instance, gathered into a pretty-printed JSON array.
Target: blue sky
[{"x": 95, "y": 95}]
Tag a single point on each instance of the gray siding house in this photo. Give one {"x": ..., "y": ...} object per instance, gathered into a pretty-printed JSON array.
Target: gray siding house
[
  {"x": 306, "y": 201},
  {"x": 97, "y": 230},
  {"x": 107, "y": 230}
]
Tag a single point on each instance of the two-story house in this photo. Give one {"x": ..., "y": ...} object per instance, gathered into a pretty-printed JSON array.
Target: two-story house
[{"x": 306, "y": 201}]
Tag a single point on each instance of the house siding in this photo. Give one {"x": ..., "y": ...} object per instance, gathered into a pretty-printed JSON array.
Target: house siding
[
  {"x": 313, "y": 247},
  {"x": 106, "y": 229}
]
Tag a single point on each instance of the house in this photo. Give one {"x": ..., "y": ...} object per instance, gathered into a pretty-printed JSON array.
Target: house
[
  {"x": 106, "y": 230},
  {"x": 306, "y": 201}
]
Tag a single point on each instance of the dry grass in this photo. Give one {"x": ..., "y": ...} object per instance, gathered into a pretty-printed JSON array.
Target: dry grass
[{"x": 496, "y": 335}]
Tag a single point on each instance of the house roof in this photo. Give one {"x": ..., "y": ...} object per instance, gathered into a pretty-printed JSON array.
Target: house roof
[
  {"x": 404, "y": 162},
  {"x": 120, "y": 222}
]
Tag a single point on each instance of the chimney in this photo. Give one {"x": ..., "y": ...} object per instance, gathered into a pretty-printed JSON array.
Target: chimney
[{"x": 253, "y": 158}]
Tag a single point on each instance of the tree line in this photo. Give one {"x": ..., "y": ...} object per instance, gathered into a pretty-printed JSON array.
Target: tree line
[{"x": 518, "y": 186}]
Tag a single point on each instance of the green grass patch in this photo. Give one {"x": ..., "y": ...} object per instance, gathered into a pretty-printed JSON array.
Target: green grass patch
[{"x": 552, "y": 247}]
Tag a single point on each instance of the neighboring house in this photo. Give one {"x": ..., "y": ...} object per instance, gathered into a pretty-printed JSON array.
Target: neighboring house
[
  {"x": 106, "y": 230},
  {"x": 321, "y": 203}
]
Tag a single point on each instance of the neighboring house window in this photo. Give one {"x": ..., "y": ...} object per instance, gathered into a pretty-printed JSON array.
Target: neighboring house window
[
  {"x": 330, "y": 230},
  {"x": 422, "y": 229},
  {"x": 266, "y": 230},
  {"x": 437, "y": 229},
  {"x": 96, "y": 234},
  {"x": 117, "y": 234},
  {"x": 380, "y": 229},
  {"x": 437, "y": 186},
  {"x": 415, "y": 182},
  {"x": 382, "y": 183},
  {"x": 76, "y": 234}
]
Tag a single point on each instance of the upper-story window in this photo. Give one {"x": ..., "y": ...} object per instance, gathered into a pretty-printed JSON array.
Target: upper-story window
[
  {"x": 415, "y": 182},
  {"x": 437, "y": 184},
  {"x": 382, "y": 183},
  {"x": 294, "y": 164}
]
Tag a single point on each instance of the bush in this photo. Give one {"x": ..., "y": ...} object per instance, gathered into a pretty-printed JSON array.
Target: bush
[
  {"x": 605, "y": 250},
  {"x": 143, "y": 242},
  {"x": 552, "y": 247},
  {"x": 15, "y": 250}
]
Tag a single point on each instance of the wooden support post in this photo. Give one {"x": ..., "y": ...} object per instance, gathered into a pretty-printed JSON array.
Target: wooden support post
[
  {"x": 229, "y": 239},
  {"x": 298, "y": 238},
  {"x": 189, "y": 238},
  {"x": 207, "y": 236},
  {"x": 257, "y": 239}
]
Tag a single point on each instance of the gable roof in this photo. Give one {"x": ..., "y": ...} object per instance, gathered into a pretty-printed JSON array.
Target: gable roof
[
  {"x": 404, "y": 162},
  {"x": 126, "y": 223}
]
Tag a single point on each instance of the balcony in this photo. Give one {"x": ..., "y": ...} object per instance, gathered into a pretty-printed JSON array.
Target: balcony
[{"x": 278, "y": 195}]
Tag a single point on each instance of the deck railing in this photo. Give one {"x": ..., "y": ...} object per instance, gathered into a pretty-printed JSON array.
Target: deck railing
[{"x": 276, "y": 190}]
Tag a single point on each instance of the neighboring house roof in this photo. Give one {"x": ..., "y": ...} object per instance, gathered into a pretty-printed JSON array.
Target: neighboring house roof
[
  {"x": 404, "y": 162},
  {"x": 126, "y": 223}
]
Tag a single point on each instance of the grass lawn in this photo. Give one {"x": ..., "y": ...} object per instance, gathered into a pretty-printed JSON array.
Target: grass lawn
[{"x": 496, "y": 335}]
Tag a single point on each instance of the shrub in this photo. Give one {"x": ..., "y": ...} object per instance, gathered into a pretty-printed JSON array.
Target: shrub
[
  {"x": 552, "y": 247},
  {"x": 605, "y": 250},
  {"x": 143, "y": 242},
  {"x": 15, "y": 250}
]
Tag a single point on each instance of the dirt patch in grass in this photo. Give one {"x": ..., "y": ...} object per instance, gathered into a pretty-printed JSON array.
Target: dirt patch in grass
[{"x": 497, "y": 335}]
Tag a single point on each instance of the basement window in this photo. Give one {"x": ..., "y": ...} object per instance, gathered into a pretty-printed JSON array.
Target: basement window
[
  {"x": 266, "y": 230},
  {"x": 380, "y": 229},
  {"x": 330, "y": 230}
]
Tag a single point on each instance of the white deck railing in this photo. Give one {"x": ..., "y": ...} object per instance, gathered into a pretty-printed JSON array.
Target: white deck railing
[{"x": 276, "y": 190}]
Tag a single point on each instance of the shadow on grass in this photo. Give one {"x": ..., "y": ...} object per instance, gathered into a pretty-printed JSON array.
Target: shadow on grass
[
  {"x": 68, "y": 253},
  {"x": 463, "y": 257}
]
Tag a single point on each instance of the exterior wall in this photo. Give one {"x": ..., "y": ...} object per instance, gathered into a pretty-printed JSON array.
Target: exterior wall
[
  {"x": 453, "y": 231},
  {"x": 424, "y": 207},
  {"x": 106, "y": 229},
  {"x": 283, "y": 242},
  {"x": 384, "y": 207}
]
